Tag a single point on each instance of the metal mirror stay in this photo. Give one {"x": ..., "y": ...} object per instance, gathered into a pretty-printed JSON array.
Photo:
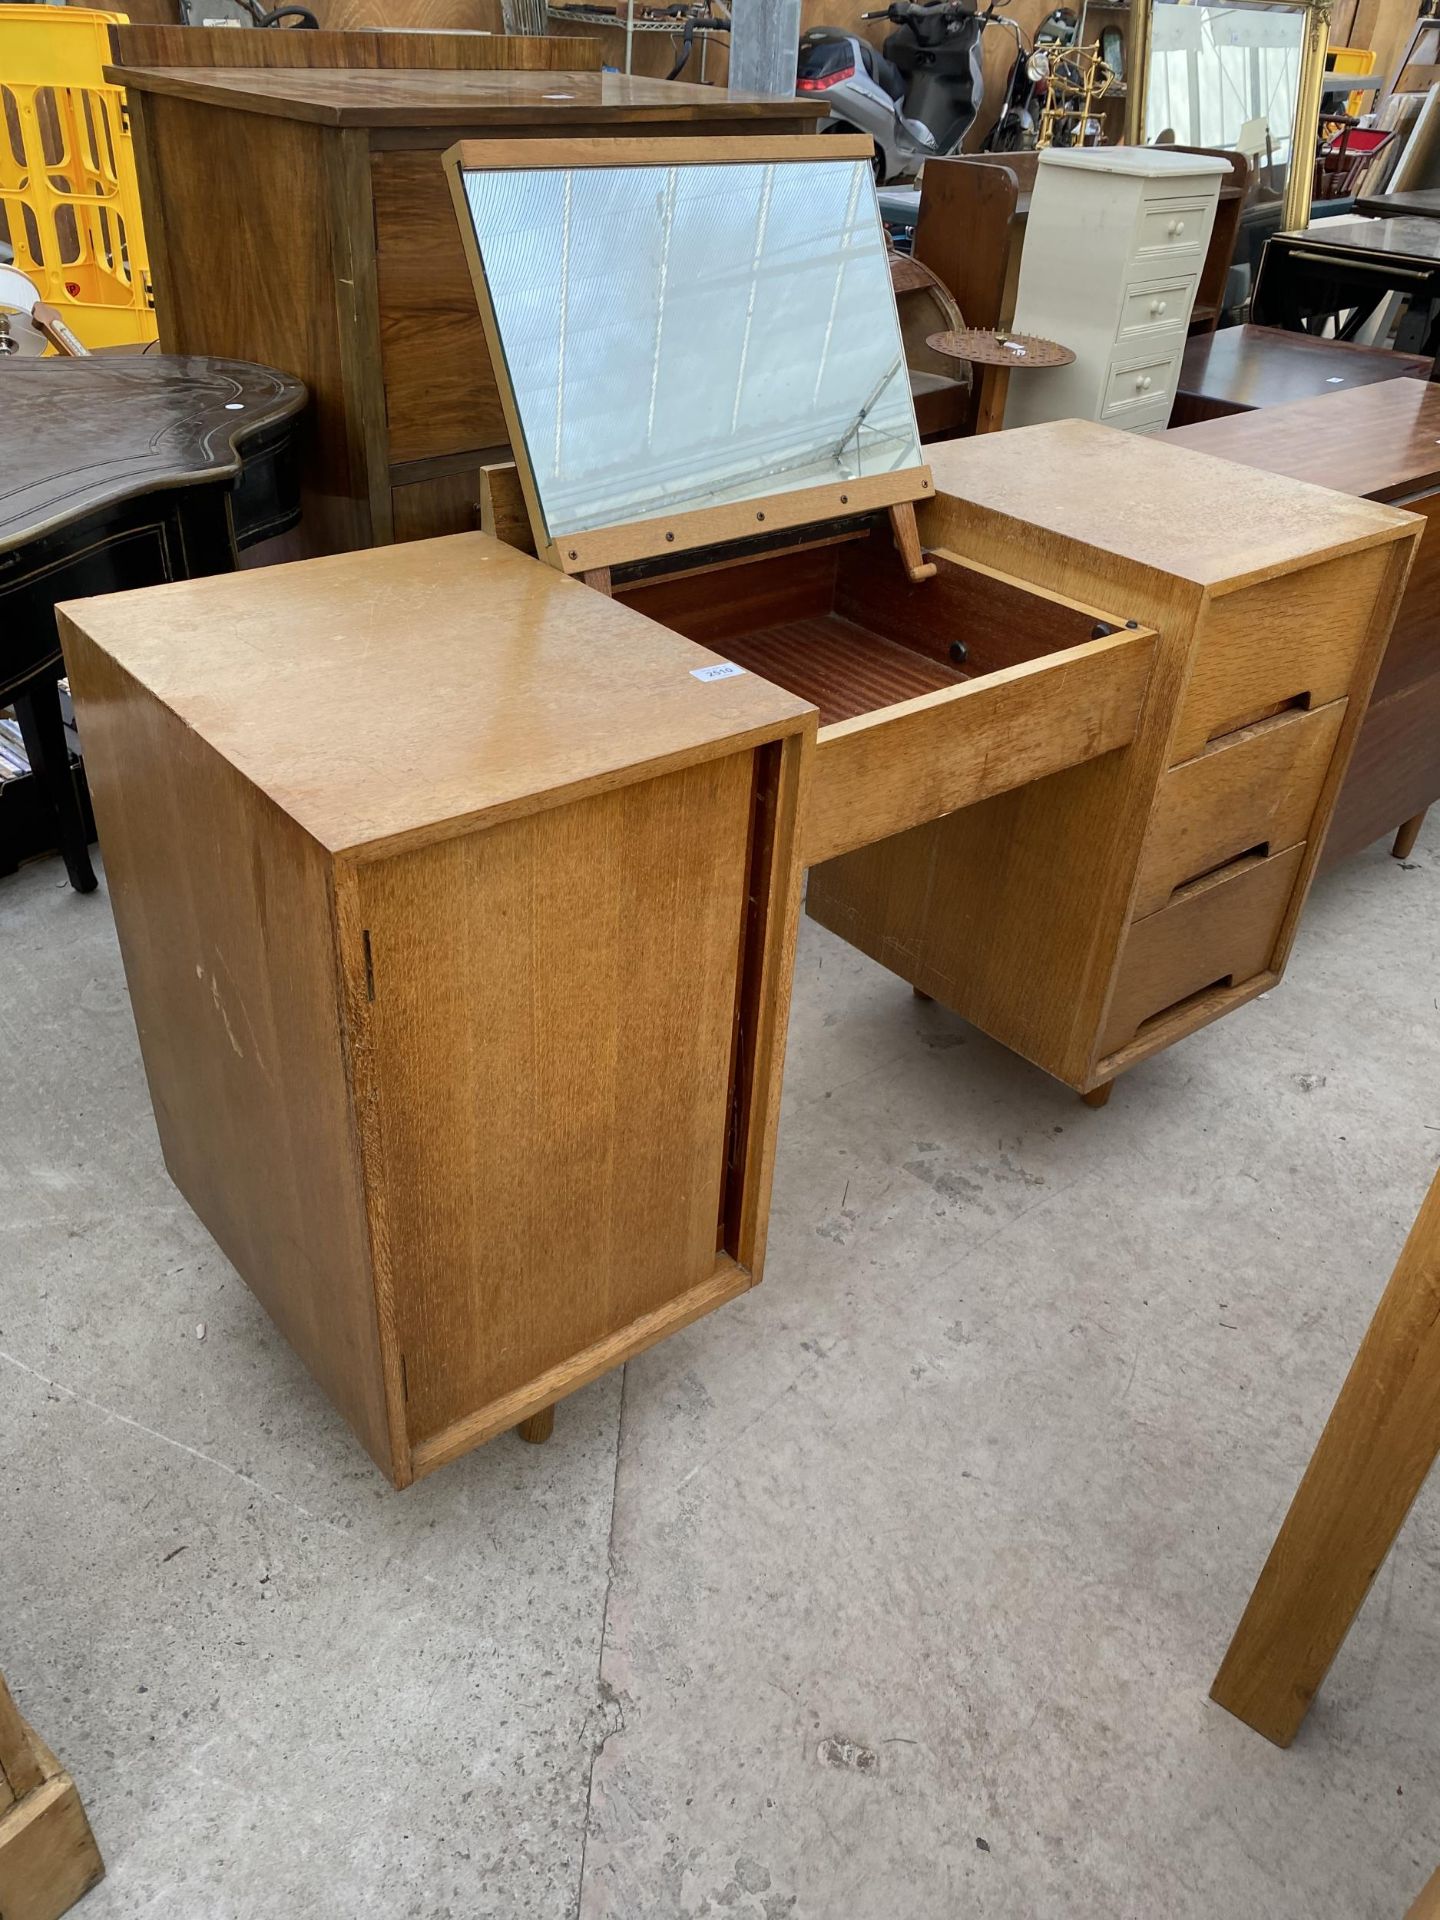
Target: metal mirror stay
[{"x": 679, "y": 338}]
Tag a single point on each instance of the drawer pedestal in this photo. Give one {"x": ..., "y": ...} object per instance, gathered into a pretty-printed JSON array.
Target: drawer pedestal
[{"x": 1095, "y": 916}]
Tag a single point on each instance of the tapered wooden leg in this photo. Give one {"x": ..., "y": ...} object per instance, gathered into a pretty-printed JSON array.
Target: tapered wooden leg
[
  {"x": 1377, "y": 1447},
  {"x": 994, "y": 390},
  {"x": 1099, "y": 1096},
  {"x": 1405, "y": 839},
  {"x": 538, "y": 1428}
]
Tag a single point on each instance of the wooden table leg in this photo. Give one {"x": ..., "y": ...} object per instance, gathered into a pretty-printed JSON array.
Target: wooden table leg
[
  {"x": 1406, "y": 837},
  {"x": 538, "y": 1428},
  {"x": 994, "y": 383},
  {"x": 43, "y": 731},
  {"x": 1377, "y": 1447},
  {"x": 1098, "y": 1096},
  {"x": 1427, "y": 1902}
]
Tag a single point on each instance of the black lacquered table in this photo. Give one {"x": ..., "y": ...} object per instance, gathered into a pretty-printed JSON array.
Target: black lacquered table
[
  {"x": 1421, "y": 203},
  {"x": 1344, "y": 270},
  {"x": 124, "y": 471}
]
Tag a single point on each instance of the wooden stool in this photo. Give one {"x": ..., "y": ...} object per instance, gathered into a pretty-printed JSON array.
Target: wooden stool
[
  {"x": 998, "y": 355},
  {"x": 48, "y": 1856}
]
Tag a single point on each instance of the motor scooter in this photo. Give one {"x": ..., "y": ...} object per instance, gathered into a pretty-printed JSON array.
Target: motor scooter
[
  {"x": 1018, "y": 121},
  {"x": 919, "y": 97}
]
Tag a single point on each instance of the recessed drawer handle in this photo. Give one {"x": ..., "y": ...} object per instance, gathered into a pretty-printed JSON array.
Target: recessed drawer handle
[
  {"x": 1178, "y": 1006},
  {"x": 1251, "y": 857},
  {"x": 1277, "y": 710}
]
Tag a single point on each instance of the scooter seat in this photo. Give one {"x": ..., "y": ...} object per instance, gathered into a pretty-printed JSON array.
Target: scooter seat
[{"x": 882, "y": 71}]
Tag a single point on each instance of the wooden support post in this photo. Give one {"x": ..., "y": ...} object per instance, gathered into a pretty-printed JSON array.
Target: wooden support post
[
  {"x": 907, "y": 540},
  {"x": 1405, "y": 839},
  {"x": 1377, "y": 1447},
  {"x": 1099, "y": 1096},
  {"x": 538, "y": 1428},
  {"x": 48, "y": 1856},
  {"x": 503, "y": 513},
  {"x": 994, "y": 391}
]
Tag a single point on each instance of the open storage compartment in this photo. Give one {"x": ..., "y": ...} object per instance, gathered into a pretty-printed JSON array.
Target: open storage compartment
[
  {"x": 705, "y": 385},
  {"x": 905, "y": 674}
]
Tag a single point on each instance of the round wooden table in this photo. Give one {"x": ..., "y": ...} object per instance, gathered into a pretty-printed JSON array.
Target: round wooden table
[{"x": 998, "y": 354}]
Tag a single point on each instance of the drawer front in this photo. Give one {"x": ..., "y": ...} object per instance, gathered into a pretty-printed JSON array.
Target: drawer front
[
  {"x": 1294, "y": 642},
  {"x": 1153, "y": 417},
  {"x": 1155, "y": 309},
  {"x": 1141, "y": 381},
  {"x": 1253, "y": 794},
  {"x": 902, "y": 765},
  {"x": 1173, "y": 228},
  {"x": 1218, "y": 933}
]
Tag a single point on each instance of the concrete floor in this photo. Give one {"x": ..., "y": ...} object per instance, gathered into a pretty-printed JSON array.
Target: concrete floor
[{"x": 893, "y": 1589}]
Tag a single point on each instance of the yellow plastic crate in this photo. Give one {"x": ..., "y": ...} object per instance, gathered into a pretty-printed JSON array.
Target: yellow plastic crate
[
  {"x": 69, "y": 202},
  {"x": 1352, "y": 63}
]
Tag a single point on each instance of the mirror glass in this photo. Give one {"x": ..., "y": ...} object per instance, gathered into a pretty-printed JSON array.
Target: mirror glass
[
  {"x": 1227, "y": 77},
  {"x": 682, "y": 336}
]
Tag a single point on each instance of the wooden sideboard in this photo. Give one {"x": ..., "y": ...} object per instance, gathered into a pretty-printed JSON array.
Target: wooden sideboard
[
  {"x": 1244, "y": 369},
  {"x": 1382, "y": 442},
  {"x": 301, "y": 218}
]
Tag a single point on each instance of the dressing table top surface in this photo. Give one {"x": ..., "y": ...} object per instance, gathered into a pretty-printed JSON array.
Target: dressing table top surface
[
  {"x": 1135, "y": 498},
  {"x": 405, "y": 694}
]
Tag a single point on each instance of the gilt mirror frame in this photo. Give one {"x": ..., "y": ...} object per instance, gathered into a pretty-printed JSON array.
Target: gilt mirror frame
[{"x": 1314, "y": 43}]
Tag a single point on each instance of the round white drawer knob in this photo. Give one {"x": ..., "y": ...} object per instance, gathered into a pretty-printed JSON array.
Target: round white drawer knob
[{"x": 1157, "y": 306}]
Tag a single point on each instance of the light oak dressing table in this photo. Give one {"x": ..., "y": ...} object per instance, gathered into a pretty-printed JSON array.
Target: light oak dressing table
[{"x": 472, "y": 1064}]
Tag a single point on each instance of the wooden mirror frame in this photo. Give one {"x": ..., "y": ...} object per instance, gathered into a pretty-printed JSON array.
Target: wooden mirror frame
[{"x": 597, "y": 548}]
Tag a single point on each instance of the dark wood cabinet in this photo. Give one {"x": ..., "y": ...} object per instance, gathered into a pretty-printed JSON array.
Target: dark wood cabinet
[{"x": 300, "y": 217}]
